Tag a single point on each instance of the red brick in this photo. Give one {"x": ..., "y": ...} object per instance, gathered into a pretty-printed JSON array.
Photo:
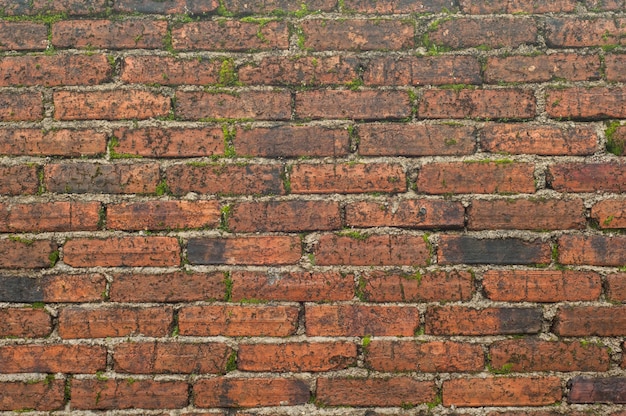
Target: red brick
[
  {"x": 26, "y": 254},
  {"x": 238, "y": 320},
  {"x": 49, "y": 216},
  {"x": 292, "y": 141},
  {"x": 284, "y": 216},
  {"x": 20, "y": 106},
  {"x": 597, "y": 390},
  {"x": 586, "y": 321},
  {"x": 170, "y": 357},
  {"x": 517, "y": 6},
  {"x": 109, "y": 105},
  {"x": 107, "y": 34},
  {"x": 292, "y": 286},
  {"x": 590, "y": 177},
  {"x": 227, "y": 179},
  {"x": 231, "y": 35},
  {"x": 536, "y": 355},
  {"x": 297, "y": 357},
  {"x": 376, "y": 392},
  {"x": 250, "y": 392},
  {"x": 42, "y": 395},
  {"x": 128, "y": 394},
  {"x": 597, "y": 5},
  {"x": 347, "y": 178},
  {"x": 69, "y": 288},
  {"x": 19, "y": 179},
  {"x": 586, "y": 103},
  {"x": 356, "y": 105},
  {"x": 172, "y": 142},
  {"x": 169, "y": 7},
  {"x": 254, "y": 105},
  {"x": 492, "y": 32},
  {"x": 415, "y": 140},
  {"x": 538, "y": 139},
  {"x": 55, "y": 358},
  {"x": 35, "y": 142},
  {"x": 426, "y": 357},
  {"x": 301, "y": 71},
  {"x": 168, "y": 287},
  {"x": 461, "y": 320},
  {"x": 615, "y": 68},
  {"x": 25, "y": 323},
  {"x": 468, "y": 103},
  {"x": 359, "y": 35},
  {"x": 278, "y": 6},
  {"x": 502, "y": 391},
  {"x": 563, "y": 32},
  {"x": 135, "y": 251},
  {"x": 440, "y": 286},
  {"x": 253, "y": 250},
  {"x": 454, "y": 249},
  {"x": 371, "y": 250},
  {"x": 169, "y": 70},
  {"x": 476, "y": 177},
  {"x": 407, "y": 213},
  {"x": 23, "y": 36},
  {"x": 394, "y": 7},
  {"x": 39, "y": 7},
  {"x": 616, "y": 287},
  {"x": 360, "y": 320},
  {"x": 542, "y": 68},
  {"x": 163, "y": 215},
  {"x": 598, "y": 250},
  {"x": 541, "y": 285},
  {"x": 76, "y": 322}
]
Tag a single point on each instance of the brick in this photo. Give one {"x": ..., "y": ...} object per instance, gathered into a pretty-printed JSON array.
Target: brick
[
  {"x": 359, "y": 320},
  {"x": 38, "y": 7},
  {"x": 616, "y": 287},
  {"x": 527, "y": 214},
  {"x": 597, "y": 390},
  {"x": 20, "y": 106},
  {"x": 541, "y": 285},
  {"x": 292, "y": 286},
  {"x": 121, "y": 321},
  {"x": 231, "y": 35},
  {"x": 608, "y": 5},
  {"x": 422, "y": 70},
  {"x": 598, "y": 250},
  {"x": 575, "y": 32},
  {"x": 502, "y": 391},
  {"x": 586, "y": 103},
  {"x": 440, "y": 286},
  {"x": 25, "y": 323},
  {"x": 301, "y": 71},
  {"x": 297, "y": 356},
  {"x": 167, "y": 70},
  {"x": 135, "y": 251},
  {"x": 461, "y": 320},
  {"x": 63, "y": 142},
  {"x": 284, "y": 216},
  {"x": 169, "y": 7},
  {"x": 170, "y": 357},
  {"x": 615, "y": 67},
  {"x": 347, "y": 178},
  {"x": 100, "y": 178},
  {"x": 402, "y": 6},
  {"x": 26, "y": 254},
  {"x": 107, "y": 34},
  {"x": 424, "y": 357},
  {"x": 375, "y": 392},
  {"x": 238, "y": 320},
  {"x": 292, "y": 141},
  {"x": 23, "y": 36},
  {"x": 371, "y": 250},
  {"x": 168, "y": 287},
  {"x": 491, "y": 32},
  {"x": 126, "y": 394},
  {"x": 253, "y": 250},
  {"x": 467, "y": 103},
  {"x": 49, "y": 216},
  {"x": 355, "y": 105},
  {"x": 268, "y": 6},
  {"x": 415, "y": 140},
  {"x": 517, "y": 6},
  {"x": 42, "y": 395},
  {"x": 225, "y": 179},
  {"x": 53, "y": 358},
  {"x": 254, "y": 105},
  {"x": 585, "y": 321},
  {"x": 538, "y": 139},
  {"x": 529, "y": 355},
  {"x": 109, "y": 105},
  {"x": 455, "y": 249},
  {"x": 19, "y": 179},
  {"x": 163, "y": 215},
  {"x": 610, "y": 213},
  {"x": 358, "y": 35},
  {"x": 542, "y": 68},
  {"x": 590, "y": 177},
  {"x": 407, "y": 213},
  {"x": 65, "y": 288},
  {"x": 250, "y": 392}
]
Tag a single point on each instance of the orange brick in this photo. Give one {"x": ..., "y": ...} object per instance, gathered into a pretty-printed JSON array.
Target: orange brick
[
  {"x": 167, "y": 70},
  {"x": 23, "y": 36},
  {"x": 586, "y": 103},
  {"x": 517, "y": 6},
  {"x": 407, "y": 213},
  {"x": 26, "y": 254},
  {"x": 468, "y": 103},
  {"x": 428, "y": 287},
  {"x": 42, "y": 395},
  {"x": 19, "y": 179},
  {"x": 347, "y": 178},
  {"x": 296, "y": 357},
  {"x": 109, "y": 105},
  {"x": 35, "y": 142},
  {"x": 616, "y": 287},
  {"x": 590, "y": 177},
  {"x": 250, "y": 392},
  {"x": 122, "y": 252},
  {"x": 615, "y": 65},
  {"x": 163, "y": 215},
  {"x": 509, "y": 391},
  {"x": 598, "y": 250},
  {"x": 284, "y": 216},
  {"x": 49, "y": 216},
  {"x": 55, "y": 70},
  {"x": 461, "y": 320},
  {"x": 53, "y": 358},
  {"x": 610, "y": 213},
  {"x": 25, "y": 323},
  {"x": 305, "y": 71},
  {"x": 292, "y": 141},
  {"x": 107, "y": 34},
  {"x": 167, "y": 287},
  {"x": 20, "y": 106},
  {"x": 171, "y": 142},
  {"x": 169, "y": 7},
  {"x": 538, "y": 139},
  {"x": 355, "y": 105},
  {"x": 397, "y": 391}
]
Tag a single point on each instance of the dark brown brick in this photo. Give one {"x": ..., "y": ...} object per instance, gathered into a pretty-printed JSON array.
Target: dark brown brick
[
  {"x": 49, "y": 216},
  {"x": 254, "y": 105},
  {"x": 168, "y": 70},
  {"x": 597, "y": 390},
  {"x": 107, "y": 34},
  {"x": 300, "y": 71},
  {"x": 63, "y": 142},
  {"x": 163, "y": 215},
  {"x": 20, "y": 253},
  {"x": 284, "y": 216},
  {"x": 461, "y": 320},
  {"x": 19, "y": 179},
  {"x": 406, "y": 213},
  {"x": 109, "y": 105},
  {"x": 231, "y": 35},
  {"x": 359, "y": 35},
  {"x": 168, "y": 287},
  {"x": 347, "y": 178},
  {"x": 454, "y": 249},
  {"x": 502, "y": 391},
  {"x": 492, "y": 32},
  {"x": 542, "y": 68},
  {"x": 396, "y": 391},
  {"x": 616, "y": 287},
  {"x": 585, "y": 321},
  {"x": 23, "y": 36},
  {"x": 54, "y": 358},
  {"x": 20, "y": 106},
  {"x": 468, "y": 103},
  {"x": 356, "y": 105},
  {"x": 292, "y": 141},
  {"x": 254, "y": 250},
  {"x": 599, "y": 250},
  {"x": 297, "y": 356},
  {"x": 65, "y": 288},
  {"x": 250, "y": 392},
  {"x": 24, "y": 323}
]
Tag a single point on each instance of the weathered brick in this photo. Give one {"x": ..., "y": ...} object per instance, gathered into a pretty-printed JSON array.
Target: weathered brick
[
  {"x": 608, "y": 5},
  {"x": 469, "y": 103},
  {"x": 589, "y": 177},
  {"x": 355, "y": 105},
  {"x": 360, "y": 320},
  {"x": 359, "y": 35},
  {"x": 616, "y": 139},
  {"x": 296, "y": 356},
  {"x": 257, "y": 105},
  {"x": 63, "y": 142},
  {"x": 23, "y": 36},
  {"x": 292, "y": 141},
  {"x": 408, "y": 213},
  {"x": 250, "y": 392},
  {"x": 109, "y": 105},
  {"x": 427, "y": 357},
  {"x": 278, "y": 6},
  {"x": 517, "y": 6},
  {"x": 20, "y": 253},
  {"x": 616, "y": 287},
  {"x": 39, "y": 7},
  {"x": 599, "y": 250},
  {"x": 54, "y": 358},
  {"x": 397, "y": 391},
  {"x": 25, "y": 323},
  {"x": 20, "y": 106},
  {"x": 49, "y": 216},
  {"x": 107, "y": 34},
  {"x": 42, "y": 395},
  {"x": 586, "y": 103},
  {"x": 491, "y": 32},
  {"x": 256, "y": 250},
  {"x": 284, "y": 216},
  {"x": 455, "y": 249},
  {"x": 371, "y": 250},
  {"x": 542, "y": 285},
  {"x": 238, "y": 320},
  {"x": 172, "y": 142},
  {"x": 231, "y": 35},
  {"x": 121, "y": 321},
  {"x": 347, "y": 178},
  {"x": 401, "y": 6},
  {"x": 168, "y": 287},
  {"x": 169, "y": 70},
  {"x": 576, "y": 32},
  {"x": 615, "y": 67},
  {"x": 19, "y": 179},
  {"x": 502, "y": 391},
  {"x": 301, "y": 71},
  {"x": 166, "y": 7},
  {"x": 597, "y": 390},
  {"x": 135, "y": 251},
  {"x": 585, "y": 321},
  {"x": 542, "y": 68},
  {"x": 66, "y": 288},
  {"x": 461, "y": 320},
  {"x": 415, "y": 140},
  {"x": 163, "y": 215}
]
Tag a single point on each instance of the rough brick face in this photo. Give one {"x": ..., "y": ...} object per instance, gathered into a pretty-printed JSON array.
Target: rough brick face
[
  {"x": 456, "y": 320},
  {"x": 284, "y": 216},
  {"x": 347, "y": 178},
  {"x": 109, "y": 105},
  {"x": 54, "y": 70},
  {"x": 52, "y": 358},
  {"x": 128, "y": 251},
  {"x": 125, "y": 34},
  {"x": 296, "y": 357},
  {"x": 358, "y": 105},
  {"x": 23, "y": 36},
  {"x": 374, "y": 392},
  {"x": 494, "y": 32},
  {"x": 250, "y": 392},
  {"x": 231, "y": 35},
  {"x": 20, "y": 106},
  {"x": 474, "y": 392},
  {"x": 488, "y": 104},
  {"x": 63, "y": 142},
  {"x": 25, "y": 323},
  {"x": 17, "y": 395}
]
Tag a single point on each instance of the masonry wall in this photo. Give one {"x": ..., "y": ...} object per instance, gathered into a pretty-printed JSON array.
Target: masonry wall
[{"x": 332, "y": 208}]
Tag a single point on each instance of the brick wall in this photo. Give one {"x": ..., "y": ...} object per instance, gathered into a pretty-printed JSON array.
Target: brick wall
[{"x": 349, "y": 207}]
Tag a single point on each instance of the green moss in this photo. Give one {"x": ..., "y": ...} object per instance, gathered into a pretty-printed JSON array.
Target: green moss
[
  {"x": 613, "y": 144},
  {"x": 457, "y": 87},
  {"x": 162, "y": 188},
  {"x": 360, "y": 290},
  {"x": 229, "y": 138},
  {"x": 47, "y": 18},
  {"x": 505, "y": 369},
  {"x": 113, "y": 143},
  {"x": 355, "y": 84},
  {"x": 100, "y": 376},
  {"x": 228, "y": 75},
  {"x": 38, "y": 305},
  {"x": 367, "y": 339},
  {"x": 357, "y": 235},
  {"x": 311, "y": 257},
  {"x": 223, "y": 11},
  {"x": 167, "y": 42},
  {"x": 286, "y": 178},
  {"x": 25, "y": 241},
  {"x": 607, "y": 222},
  {"x": 53, "y": 258},
  {"x": 225, "y": 215},
  {"x": 231, "y": 363},
  {"x": 228, "y": 285},
  {"x": 436, "y": 402}
]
